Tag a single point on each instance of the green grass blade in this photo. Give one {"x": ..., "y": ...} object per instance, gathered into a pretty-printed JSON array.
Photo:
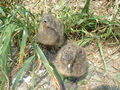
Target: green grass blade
[
  {"x": 102, "y": 54},
  {"x": 47, "y": 65},
  {"x": 83, "y": 14},
  {"x": 13, "y": 15},
  {"x": 27, "y": 18},
  {"x": 86, "y": 7},
  {"x": 84, "y": 41},
  {"x": 2, "y": 12},
  {"x": 115, "y": 37},
  {"x": 23, "y": 44},
  {"x": 22, "y": 70},
  {"x": 108, "y": 33},
  {"x": 4, "y": 58},
  {"x": 44, "y": 59}
]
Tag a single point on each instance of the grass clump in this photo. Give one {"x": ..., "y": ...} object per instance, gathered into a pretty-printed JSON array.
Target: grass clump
[{"x": 15, "y": 29}]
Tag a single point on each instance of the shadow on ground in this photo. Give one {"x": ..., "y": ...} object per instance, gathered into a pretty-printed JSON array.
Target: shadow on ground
[{"x": 106, "y": 87}]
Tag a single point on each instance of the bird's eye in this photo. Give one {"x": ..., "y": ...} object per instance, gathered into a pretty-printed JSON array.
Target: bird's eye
[{"x": 45, "y": 20}]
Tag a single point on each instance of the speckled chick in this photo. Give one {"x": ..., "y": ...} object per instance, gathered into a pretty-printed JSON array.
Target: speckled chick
[
  {"x": 50, "y": 31},
  {"x": 71, "y": 61}
]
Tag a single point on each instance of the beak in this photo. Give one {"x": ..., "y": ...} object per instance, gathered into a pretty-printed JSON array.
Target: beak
[
  {"x": 51, "y": 27},
  {"x": 54, "y": 28},
  {"x": 69, "y": 68}
]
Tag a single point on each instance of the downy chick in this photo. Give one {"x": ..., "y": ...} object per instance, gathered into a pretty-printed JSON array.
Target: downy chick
[
  {"x": 50, "y": 31},
  {"x": 71, "y": 61}
]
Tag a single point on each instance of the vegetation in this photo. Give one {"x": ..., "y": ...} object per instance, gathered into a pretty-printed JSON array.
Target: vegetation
[{"x": 18, "y": 29}]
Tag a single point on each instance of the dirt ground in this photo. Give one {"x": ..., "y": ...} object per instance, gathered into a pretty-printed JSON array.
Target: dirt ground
[{"x": 98, "y": 78}]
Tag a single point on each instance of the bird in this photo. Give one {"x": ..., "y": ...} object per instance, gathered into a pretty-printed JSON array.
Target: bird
[
  {"x": 50, "y": 30},
  {"x": 71, "y": 61}
]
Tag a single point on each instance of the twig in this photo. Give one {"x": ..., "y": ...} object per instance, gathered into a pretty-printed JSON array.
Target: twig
[
  {"x": 116, "y": 50},
  {"x": 112, "y": 57}
]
